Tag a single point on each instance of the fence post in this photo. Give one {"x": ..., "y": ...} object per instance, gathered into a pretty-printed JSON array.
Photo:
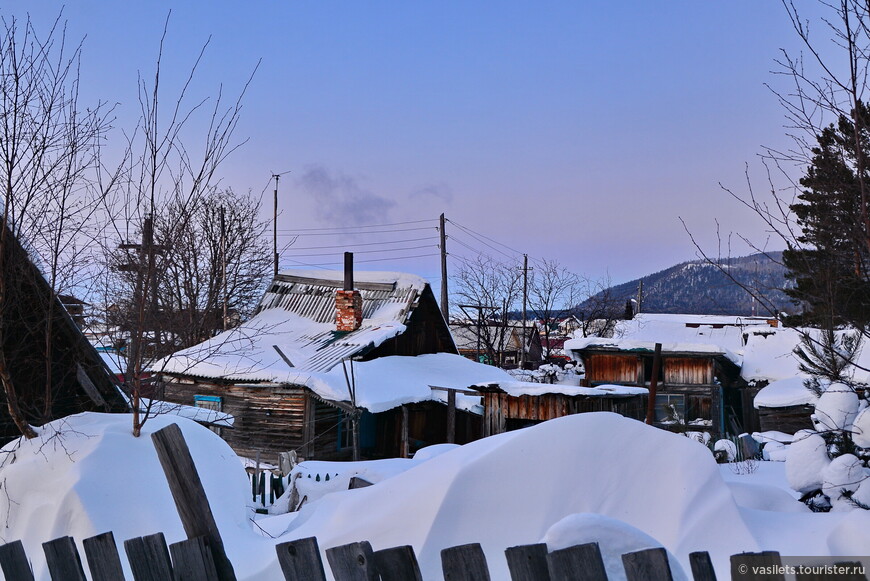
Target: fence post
[
  {"x": 189, "y": 495},
  {"x": 63, "y": 559},
  {"x": 192, "y": 560},
  {"x": 149, "y": 558},
  {"x": 647, "y": 564},
  {"x": 702, "y": 566},
  {"x": 577, "y": 563},
  {"x": 464, "y": 563},
  {"x": 13, "y": 561},
  {"x": 742, "y": 564},
  {"x": 103, "y": 560},
  {"x": 528, "y": 562},
  {"x": 398, "y": 564},
  {"x": 300, "y": 560},
  {"x": 352, "y": 562}
]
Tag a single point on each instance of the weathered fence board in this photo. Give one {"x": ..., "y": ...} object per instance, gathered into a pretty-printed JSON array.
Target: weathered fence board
[
  {"x": 103, "y": 560},
  {"x": 62, "y": 558},
  {"x": 300, "y": 560},
  {"x": 579, "y": 563},
  {"x": 528, "y": 562},
  {"x": 352, "y": 562},
  {"x": 189, "y": 495},
  {"x": 702, "y": 566},
  {"x": 192, "y": 560},
  {"x": 149, "y": 558},
  {"x": 13, "y": 562},
  {"x": 398, "y": 564},
  {"x": 647, "y": 565},
  {"x": 464, "y": 563},
  {"x": 762, "y": 559}
]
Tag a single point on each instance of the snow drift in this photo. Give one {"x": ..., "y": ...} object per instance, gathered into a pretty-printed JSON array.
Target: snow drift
[{"x": 512, "y": 488}]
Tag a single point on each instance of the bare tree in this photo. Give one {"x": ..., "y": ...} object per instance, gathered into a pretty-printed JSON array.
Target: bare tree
[
  {"x": 161, "y": 170},
  {"x": 49, "y": 157},
  {"x": 489, "y": 290},
  {"x": 554, "y": 293}
]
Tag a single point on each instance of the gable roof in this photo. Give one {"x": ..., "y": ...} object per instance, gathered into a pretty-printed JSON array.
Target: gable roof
[{"x": 297, "y": 315}]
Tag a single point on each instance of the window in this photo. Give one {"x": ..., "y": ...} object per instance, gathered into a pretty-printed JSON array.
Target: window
[
  {"x": 209, "y": 402},
  {"x": 670, "y": 408}
]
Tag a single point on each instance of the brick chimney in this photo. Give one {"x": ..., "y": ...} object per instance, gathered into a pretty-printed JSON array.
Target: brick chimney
[{"x": 348, "y": 302}]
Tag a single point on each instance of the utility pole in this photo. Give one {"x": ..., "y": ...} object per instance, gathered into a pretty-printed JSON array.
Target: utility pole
[
  {"x": 224, "y": 264},
  {"x": 525, "y": 299},
  {"x": 145, "y": 291},
  {"x": 275, "y": 225},
  {"x": 639, "y": 297},
  {"x": 445, "y": 308}
]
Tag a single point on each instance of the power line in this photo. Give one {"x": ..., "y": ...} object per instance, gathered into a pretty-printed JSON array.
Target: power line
[
  {"x": 354, "y": 245},
  {"x": 296, "y": 232},
  {"x": 359, "y": 227},
  {"x": 364, "y": 251},
  {"x": 478, "y": 234}
]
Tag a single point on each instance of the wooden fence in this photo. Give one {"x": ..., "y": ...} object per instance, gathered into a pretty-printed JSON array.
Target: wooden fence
[
  {"x": 202, "y": 556},
  {"x": 193, "y": 560}
]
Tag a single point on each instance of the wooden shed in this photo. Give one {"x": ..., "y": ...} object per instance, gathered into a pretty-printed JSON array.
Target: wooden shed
[
  {"x": 273, "y": 372},
  {"x": 697, "y": 389},
  {"x": 504, "y": 411}
]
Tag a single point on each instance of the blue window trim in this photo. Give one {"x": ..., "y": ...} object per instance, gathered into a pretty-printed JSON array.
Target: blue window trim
[{"x": 214, "y": 398}]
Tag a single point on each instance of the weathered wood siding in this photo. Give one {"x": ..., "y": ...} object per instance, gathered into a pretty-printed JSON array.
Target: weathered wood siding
[
  {"x": 613, "y": 368},
  {"x": 427, "y": 425},
  {"x": 787, "y": 419},
  {"x": 268, "y": 420},
  {"x": 688, "y": 370},
  {"x": 500, "y": 408}
]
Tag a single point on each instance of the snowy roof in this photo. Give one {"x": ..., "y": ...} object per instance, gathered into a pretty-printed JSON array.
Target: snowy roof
[
  {"x": 785, "y": 393},
  {"x": 701, "y": 334},
  {"x": 297, "y": 315},
  {"x": 519, "y": 388}
]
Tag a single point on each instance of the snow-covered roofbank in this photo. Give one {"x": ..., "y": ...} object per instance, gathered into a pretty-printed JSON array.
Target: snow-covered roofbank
[
  {"x": 649, "y": 346},
  {"x": 520, "y": 388},
  {"x": 785, "y": 393}
]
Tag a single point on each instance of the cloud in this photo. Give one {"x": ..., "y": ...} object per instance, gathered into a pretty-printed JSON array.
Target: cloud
[
  {"x": 340, "y": 200},
  {"x": 439, "y": 191}
]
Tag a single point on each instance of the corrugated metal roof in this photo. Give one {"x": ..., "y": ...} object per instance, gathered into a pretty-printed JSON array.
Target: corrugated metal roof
[{"x": 312, "y": 345}]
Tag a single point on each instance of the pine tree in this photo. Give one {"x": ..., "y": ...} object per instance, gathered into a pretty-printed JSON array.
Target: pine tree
[{"x": 829, "y": 261}]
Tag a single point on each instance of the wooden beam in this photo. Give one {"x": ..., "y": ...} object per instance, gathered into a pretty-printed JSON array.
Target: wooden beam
[
  {"x": 189, "y": 495},
  {"x": 451, "y": 416}
]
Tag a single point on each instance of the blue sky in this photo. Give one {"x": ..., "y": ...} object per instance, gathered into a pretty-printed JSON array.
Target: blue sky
[{"x": 575, "y": 131}]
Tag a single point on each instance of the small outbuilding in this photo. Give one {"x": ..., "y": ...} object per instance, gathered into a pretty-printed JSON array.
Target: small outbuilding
[{"x": 330, "y": 350}]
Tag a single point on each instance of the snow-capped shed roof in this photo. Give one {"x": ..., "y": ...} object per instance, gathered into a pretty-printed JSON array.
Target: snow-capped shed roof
[{"x": 295, "y": 323}]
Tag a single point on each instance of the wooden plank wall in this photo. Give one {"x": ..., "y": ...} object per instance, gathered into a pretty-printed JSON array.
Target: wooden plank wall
[
  {"x": 613, "y": 368},
  {"x": 500, "y": 407},
  {"x": 268, "y": 420},
  {"x": 688, "y": 370},
  {"x": 787, "y": 419}
]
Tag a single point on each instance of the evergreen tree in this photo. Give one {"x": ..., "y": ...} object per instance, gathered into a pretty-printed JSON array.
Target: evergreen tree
[{"x": 828, "y": 263}]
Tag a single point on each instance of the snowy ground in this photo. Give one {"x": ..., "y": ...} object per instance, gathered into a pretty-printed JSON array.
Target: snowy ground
[{"x": 585, "y": 477}]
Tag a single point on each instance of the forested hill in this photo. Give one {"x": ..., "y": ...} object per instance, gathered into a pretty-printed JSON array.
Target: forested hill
[{"x": 698, "y": 287}]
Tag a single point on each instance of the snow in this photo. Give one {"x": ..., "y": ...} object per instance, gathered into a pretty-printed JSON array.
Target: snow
[
  {"x": 861, "y": 428},
  {"x": 806, "y": 459},
  {"x": 784, "y": 393},
  {"x": 768, "y": 355},
  {"x": 86, "y": 474},
  {"x": 512, "y": 488},
  {"x": 614, "y": 537},
  {"x": 593, "y": 476},
  {"x": 842, "y": 476},
  {"x": 203, "y": 415},
  {"x": 837, "y": 408},
  {"x": 519, "y": 388}
]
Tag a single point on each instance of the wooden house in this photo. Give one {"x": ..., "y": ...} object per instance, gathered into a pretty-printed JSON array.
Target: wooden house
[
  {"x": 498, "y": 344},
  {"x": 697, "y": 386},
  {"x": 322, "y": 350},
  {"x": 784, "y": 405},
  {"x": 74, "y": 380}
]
